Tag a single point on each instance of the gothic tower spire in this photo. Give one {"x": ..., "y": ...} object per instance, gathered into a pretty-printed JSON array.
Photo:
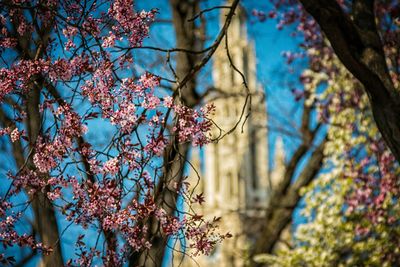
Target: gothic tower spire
[{"x": 236, "y": 179}]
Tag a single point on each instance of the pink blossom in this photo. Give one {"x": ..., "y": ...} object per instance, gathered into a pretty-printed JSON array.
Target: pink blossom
[
  {"x": 111, "y": 166},
  {"x": 8, "y": 42},
  {"x": 15, "y": 135},
  {"x": 134, "y": 25},
  {"x": 193, "y": 124},
  {"x": 5, "y": 131},
  {"x": 70, "y": 31},
  {"x": 151, "y": 102},
  {"x": 168, "y": 102},
  {"x": 109, "y": 41}
]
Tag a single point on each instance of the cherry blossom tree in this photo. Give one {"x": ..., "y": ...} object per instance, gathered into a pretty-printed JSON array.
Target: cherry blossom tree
[{"x": 67, "y": 74}]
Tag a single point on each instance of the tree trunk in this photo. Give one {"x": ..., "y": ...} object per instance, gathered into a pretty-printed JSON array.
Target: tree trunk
[
  {"x": 46, "y": 224},
  {"x": 45, "y": 219}
]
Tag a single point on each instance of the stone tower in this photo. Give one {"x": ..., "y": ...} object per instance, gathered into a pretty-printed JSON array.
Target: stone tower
[{"x": 236, "y": 180}]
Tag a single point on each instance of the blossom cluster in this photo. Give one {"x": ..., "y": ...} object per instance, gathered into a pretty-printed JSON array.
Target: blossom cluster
[
  {"x": 193, "y": 124},
  {"x": 78, "y": 77},
  {"x": 133, "y": 24}
]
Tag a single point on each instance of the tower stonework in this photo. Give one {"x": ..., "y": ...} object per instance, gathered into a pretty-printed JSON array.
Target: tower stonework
[{"x": 236, "y": 180}]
